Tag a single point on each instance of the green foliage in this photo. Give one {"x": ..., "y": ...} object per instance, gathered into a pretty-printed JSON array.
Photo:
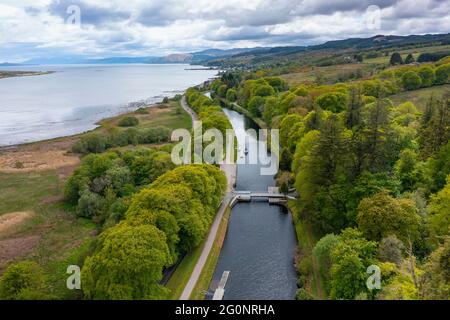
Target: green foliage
[
  {"x": 411, "y": 80},
  {"x": 435, "y": 131},
  {"x": 437, "y": 273},
  {"x": 127, "y": 264},
  {"x": 439, "y": 209},
  {"x": 396, "y": 59},
  {"x": 427, "y": 76},
  {"x": 408, "y": 170},
  {"x": 442, "y": 73},
  {"x": 255, "y": 105},
  {"x": 23, "y": 281},
  {"x": 222, "y": 91},
  {"x": 409, "y": 59},
  {"x": 350, "y": 258},
  {"x": 381, "y": 215},
  {"x": 231, "y": 95},
  {"x": 334, "y": 101},
  {"x": 391, "y": 250},
  {"x": 93, "y": 142},
  {"x": 129, "y": 121},
  {"x": 98, "y": 185}
]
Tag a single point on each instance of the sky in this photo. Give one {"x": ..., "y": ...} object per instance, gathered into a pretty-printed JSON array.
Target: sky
[{"x": 99, "y": 28}]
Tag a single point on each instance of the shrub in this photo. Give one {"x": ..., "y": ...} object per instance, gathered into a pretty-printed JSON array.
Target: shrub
[
  {"x": 442, "y": 73},
  {"x": 231, "y": 95},
  {"x": 427, "y": 76},
  {"x": 90, "y": 204},
  {"x": 334, "y": 101},
  {"x": 19, "y": 165},
  {"x": 411, "y": 80},
  {"x": 91, "y": 143},
  {"x": 141, "y": 111},
  {"x": 129, "y": 121},
  {"x": 24, "y": 280},
  {"x": 155, "y": 135},
  {"x": 302, "y": 294}
]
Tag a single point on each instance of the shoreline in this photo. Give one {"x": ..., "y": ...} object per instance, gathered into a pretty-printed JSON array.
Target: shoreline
[{"x": 15, "y": 74}]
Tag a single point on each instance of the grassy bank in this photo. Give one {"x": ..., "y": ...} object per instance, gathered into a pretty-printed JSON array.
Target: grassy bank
[
  {"x": 307, "y": 264},
  {"x": 207, "y": 273},
  {"x": 181, "y": 275}
]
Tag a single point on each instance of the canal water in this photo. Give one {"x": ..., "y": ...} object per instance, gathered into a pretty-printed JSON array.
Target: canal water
[{"x": 260, "y": 244}]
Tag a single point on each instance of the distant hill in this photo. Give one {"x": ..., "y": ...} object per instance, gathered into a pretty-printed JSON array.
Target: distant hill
[
  {"x": 277, "y": 54},
  {"x": 258, "y": 55}
]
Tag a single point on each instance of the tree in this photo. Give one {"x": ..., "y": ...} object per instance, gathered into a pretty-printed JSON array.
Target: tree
[
  {"x": 90, "y": 204},
  {"x": 375, "y": 131},
  {"x": 255, "y": 105},
  {"x": 427, "y": 76},
  {"x": 381, "y": 215},
  {"x": 437, "y": 273},
  {"x": 411, "y": 80},
  {"x": 23, "y": 281},
  {"x": 231, "y": 95},
  {"x": 407, "y": 171},
  {"x": 442, "y": 73},
  {"x": 391, "y": 250},
  {"x": 396, "y": 59},
  {"x": 438, "y": 169},
  {"x": 350, "y": 259},
  {"x": 333, "y": 101},
  {"x": 264, "y": 91},
  {"x": 322, "y": 251},
  {"x": 435, "y": 131},
  {"x": 127, "y": 264},
  {"x": 409, "y": 59},
  {"x": 222, "y": 91},
  {"x": 439, "y": 209},
  {"x": 354, "y": 105},
  {"x": 399, "y": 285}
]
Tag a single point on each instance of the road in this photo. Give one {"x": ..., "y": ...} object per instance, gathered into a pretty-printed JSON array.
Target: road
[
  {"x": 188, "y": 109},
  {"x": 230, "y": 173}
]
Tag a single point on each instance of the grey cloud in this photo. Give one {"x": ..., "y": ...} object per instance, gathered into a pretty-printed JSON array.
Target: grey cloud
[{"x": 90, "y": 14}]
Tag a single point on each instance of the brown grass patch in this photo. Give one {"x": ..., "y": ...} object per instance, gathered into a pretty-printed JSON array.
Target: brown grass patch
[
  {"x": 12, "y": 161},
  {"x": 10, "y": 221},
  {"x": 11, "y": 249}
]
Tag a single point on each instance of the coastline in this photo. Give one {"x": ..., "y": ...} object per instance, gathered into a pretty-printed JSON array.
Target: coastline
[{"x": 14, "y": 74}]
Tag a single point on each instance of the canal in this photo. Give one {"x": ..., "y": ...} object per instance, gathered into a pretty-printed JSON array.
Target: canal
[{"x": 260, "y": 244}]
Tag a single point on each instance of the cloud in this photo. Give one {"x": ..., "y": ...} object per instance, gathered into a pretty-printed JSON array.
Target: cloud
[{"x": 157, "y": 27}]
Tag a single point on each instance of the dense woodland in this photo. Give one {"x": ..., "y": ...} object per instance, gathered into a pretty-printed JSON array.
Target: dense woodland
[{"x": 372, "y": 177}]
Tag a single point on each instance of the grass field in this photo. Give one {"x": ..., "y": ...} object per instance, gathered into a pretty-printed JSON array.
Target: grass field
[
  {"x": 169, "y": 115},
  {"x": 421, "y": 96},
  {"x": 415, "y": 52},
  {"x": 329, "y": 74},
  {"x": 51, "y": 236}
]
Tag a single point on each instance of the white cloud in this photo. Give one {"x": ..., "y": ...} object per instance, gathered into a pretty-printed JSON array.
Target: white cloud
[{"x": 156, "y": 27}]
